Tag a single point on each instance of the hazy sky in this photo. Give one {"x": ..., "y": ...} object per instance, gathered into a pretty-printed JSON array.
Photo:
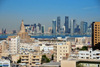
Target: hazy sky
[{"x": 44, "y": 11}]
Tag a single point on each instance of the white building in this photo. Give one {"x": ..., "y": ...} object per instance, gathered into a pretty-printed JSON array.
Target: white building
[
  {"x": 79, "y": 42},
  {"x": 27, "y": 47},
  {"x": 4, "y": 63},
  {"x": 14, "y": 44},
  {"x": 90, "y": 54},
  {"x": 46, "y": 48}
]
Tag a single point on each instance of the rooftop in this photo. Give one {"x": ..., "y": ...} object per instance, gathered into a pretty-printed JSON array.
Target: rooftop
[{"x": 51, "y": 64}]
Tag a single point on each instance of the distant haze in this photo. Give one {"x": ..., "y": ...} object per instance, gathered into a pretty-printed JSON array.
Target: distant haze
[{"x": 44, "y": 11}]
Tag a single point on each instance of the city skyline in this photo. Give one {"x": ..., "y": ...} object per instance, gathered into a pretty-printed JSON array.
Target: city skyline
[{"x": 44, "y": 11}]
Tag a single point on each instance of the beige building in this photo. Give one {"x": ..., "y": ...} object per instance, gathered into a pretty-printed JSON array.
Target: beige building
[
  {"x": 61, "y": 51},
  {"x": 14, "y": 44},
  {"x": 22, "y": 32},
  {"x": 24, "y": 35},
  {"x": 95, "y": 33},
  {"x": 68, "y": 63},
  {"x": 4, "y": 48},
  {"x": 0, "y": 48},
  {"x": 80, "y": 63},
  {"x": 51, "y": 64},
  {"x": 28, "y": 47},
  {"x": 31, "y": 59},
  {"x": 15, "y": 57}
]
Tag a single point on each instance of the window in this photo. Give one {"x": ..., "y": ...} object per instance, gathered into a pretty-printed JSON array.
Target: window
[{"x": 63, "y": 50}]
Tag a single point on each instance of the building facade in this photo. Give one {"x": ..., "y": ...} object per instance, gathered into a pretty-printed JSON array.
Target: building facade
[
  {"x": 14, "y": 44},
  {"x": 31, "y": 59},
  {"x": 90, "y": 54},
  {"x": 54, "y": 26},
  {"x": 72, "y": 26},
  {"x": 4, "y": 63},
  {"x": 66, "y": 24},
  {"x": 58, "y": 24},
  {"x": 84, "y": 27},
  {"x": 61, "y": 51},
  {"x": 22, "y": 33},
  {"x": 43, "y": 29},
  {"x": 95, "y": 33}
]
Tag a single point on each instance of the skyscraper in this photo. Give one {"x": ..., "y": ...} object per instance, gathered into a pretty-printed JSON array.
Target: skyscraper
[
  {"x": 72, "y": 26},
  {"x": 58, "y": 24},
  {"x": 77, "y": 29},
  {"x": 34, "y": 25},
  {"x": 54, "y": 26},
  {"x": 14, "y": 31},
  {"x": 95, "y": 33},
  {"x": 34, "y": 28},
  {"x": 43, "y": 28},
  {"x": 84, "y": 26},
  {"x": 39, "y": 26},
  {"x": 3, "y": 31},
  {"x": 66, "y": 24}
]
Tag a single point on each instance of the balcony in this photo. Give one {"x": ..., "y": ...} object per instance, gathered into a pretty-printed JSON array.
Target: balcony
[
  {"x": 35, "y": 60},
  {"x": 35, "y": 57},
  {"x": 24, "y": 57},
  {"x": 23, "y": 61}
]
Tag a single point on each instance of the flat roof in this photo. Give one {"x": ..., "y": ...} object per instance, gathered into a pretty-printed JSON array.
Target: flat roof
[
  {"x": 88, "y": 61},
  {"x": 51, "y": 64}
]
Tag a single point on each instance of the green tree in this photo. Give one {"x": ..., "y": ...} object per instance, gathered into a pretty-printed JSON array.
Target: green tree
[
  {"x": 97, "y": 46},
  {"x": 19, "y": 61},
  {"x": 45, "y": 59},
  {"x": 78, "y": 48},
  {"x": 52, "y": 57},
  {"x": 84, "y": 48},
  {"x": 79, "y": 65}
]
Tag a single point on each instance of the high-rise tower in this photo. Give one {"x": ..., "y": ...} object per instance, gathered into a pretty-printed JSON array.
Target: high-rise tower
[
  {"x": 84, "y": 26},
  {"x": 95, "y": 33},
  {"x": 66, "y": 24},
  {"x": 54, "y": 26},
  {"x": 72, "y": 26},
  {"x": 43, "y": 29},
  {"x": 58, "y": 24}
]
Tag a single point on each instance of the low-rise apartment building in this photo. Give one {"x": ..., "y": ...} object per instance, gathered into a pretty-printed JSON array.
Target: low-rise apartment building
[
  {"x": 14, "y": 44},
  {"x": 90, "y": 54},
  {"x": 4, "y": 63},
  {"x": 3, "y": 48},
  {"x": 61, "y": 51},
  {"x": 45, "y": 48},
  {"x": 27, "y": 47},
  {"x": 31, "y": 59}
]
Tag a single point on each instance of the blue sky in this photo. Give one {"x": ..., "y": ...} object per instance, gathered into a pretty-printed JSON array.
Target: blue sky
[{"x": 44, "y": 11}]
